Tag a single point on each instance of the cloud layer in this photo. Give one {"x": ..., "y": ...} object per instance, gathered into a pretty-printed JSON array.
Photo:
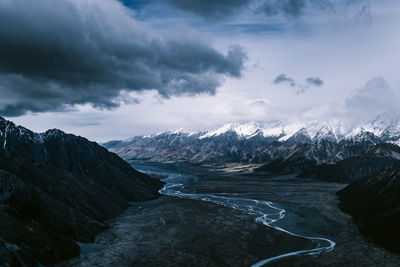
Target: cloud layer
[
  {"x": 210, "y": 8},
  {"x": 292, "y": 9},
  {"x": 54, "y": 54},
  {"x": 375, "y": 98}
]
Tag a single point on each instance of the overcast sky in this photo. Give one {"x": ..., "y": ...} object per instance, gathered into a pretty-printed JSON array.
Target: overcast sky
[{"x": 108, "y": 69}]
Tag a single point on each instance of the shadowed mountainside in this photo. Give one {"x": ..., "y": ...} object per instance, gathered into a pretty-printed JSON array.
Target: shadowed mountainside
[
  {"x": 374, "y": 203},
  {"x": 56, "y": 188}
]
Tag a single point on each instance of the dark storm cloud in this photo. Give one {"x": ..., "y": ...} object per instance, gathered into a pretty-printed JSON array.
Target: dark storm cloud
[
  {"x": 210, "y": 8},
  {"x": 315, "y": 81},
  {"x": 287, "y": 8},
  {"x": 54, "y": 54},
  {"x": 283, "y": 78},
  {"x": 291, "y": 8}
]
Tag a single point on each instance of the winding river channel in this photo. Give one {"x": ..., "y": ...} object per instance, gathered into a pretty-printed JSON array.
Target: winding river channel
[{"x": 266, "y": 212}]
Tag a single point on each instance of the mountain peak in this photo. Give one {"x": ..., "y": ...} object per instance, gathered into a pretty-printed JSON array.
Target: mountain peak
[
  {"x": 53, "y": 132},
  {"x": 248, "y": 129},
  {"x": 384, "y": 126},
  {"x": 180, "y": 131}
]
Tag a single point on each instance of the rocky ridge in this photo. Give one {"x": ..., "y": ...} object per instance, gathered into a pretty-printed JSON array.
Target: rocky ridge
[{"x": 56, "y": 189}]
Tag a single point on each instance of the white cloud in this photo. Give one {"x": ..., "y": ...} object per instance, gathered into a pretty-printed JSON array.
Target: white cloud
[{"x": 374, "y": 98}]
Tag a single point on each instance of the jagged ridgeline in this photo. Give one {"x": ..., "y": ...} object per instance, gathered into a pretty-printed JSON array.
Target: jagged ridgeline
[
  {"x": 57, "y": 188},
  {"x": 330, "y": 151}
]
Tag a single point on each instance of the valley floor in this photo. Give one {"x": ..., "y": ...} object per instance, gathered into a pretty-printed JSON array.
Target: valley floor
[{"x": 171, "y": 231}]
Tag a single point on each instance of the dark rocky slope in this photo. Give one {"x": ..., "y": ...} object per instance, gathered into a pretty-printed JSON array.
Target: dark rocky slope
[
  {"x": 56, "y": 188},
  {"x": 374, "y": 203}
]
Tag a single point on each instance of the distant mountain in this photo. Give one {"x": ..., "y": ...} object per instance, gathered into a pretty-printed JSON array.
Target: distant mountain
[
  {"x": 332, "y": 151},
  {"x": 57, "y": 188},
  {"x": 374, "y": 203}
]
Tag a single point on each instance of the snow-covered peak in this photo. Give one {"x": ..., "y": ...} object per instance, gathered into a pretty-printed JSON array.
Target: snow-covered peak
[
  {"x": 381, "y": 125},
  {"x": 283, "y": 131},
  {"x": 180, "y": 131},
  {"x": 333, "y": 130},
  {"x": 247, "y": 129}
]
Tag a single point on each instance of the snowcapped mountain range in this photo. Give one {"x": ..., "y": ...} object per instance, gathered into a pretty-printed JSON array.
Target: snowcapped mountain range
[
  {"x": 278, "y": 146},
  {"x": 388, "y": 130}
]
